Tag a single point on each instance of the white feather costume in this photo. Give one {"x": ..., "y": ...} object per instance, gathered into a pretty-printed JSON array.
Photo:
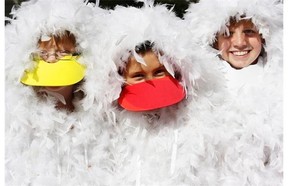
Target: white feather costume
[
  {"x": 46, "y": 146},
  {"x": 167, "y": 146},
  {"x": 251, "y": 150}
]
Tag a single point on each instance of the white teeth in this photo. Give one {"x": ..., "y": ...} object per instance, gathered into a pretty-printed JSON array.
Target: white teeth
[{"x": 240, "y": 53}]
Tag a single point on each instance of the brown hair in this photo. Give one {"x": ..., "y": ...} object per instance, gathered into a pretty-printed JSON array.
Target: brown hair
[{"x": 63, "y": 42}]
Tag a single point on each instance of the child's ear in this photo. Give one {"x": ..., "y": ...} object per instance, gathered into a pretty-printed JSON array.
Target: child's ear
[
  {"x": 215, "y": 44},
  {"x": 120, "y": 71},
  {"x": 263, "y": 52},
  {"x": 178, "y": 75},
  {"x": 262, "y": 40}
]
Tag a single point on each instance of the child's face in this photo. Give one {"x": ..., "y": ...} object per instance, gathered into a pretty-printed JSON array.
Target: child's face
[
  {"x": 149, "y": 87},
  {"x": 136, "y": 72},
  {"x": 56, "y": 47},
  {"x": 243, "y": 46}
]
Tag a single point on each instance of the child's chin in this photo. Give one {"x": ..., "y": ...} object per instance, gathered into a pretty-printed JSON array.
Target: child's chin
[{"x": 54, "y": 88}]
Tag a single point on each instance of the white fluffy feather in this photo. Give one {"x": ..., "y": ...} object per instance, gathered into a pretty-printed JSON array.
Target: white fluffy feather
[
  {"x": 251, "y": 152},
  {"x": 211, "y": 138}
]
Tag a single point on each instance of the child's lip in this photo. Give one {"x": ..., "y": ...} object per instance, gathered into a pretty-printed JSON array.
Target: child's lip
[{"x": 240, "y": 52}]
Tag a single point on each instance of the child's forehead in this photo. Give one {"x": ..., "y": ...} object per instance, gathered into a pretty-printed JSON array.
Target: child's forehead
[
  {"x": 57, "y": 36},
  {"x": 242, "y": 22},
  {"x": 151, "y": 61},
  {"x": 56, "y": 40},
  {"x": 149, "y": 54}
]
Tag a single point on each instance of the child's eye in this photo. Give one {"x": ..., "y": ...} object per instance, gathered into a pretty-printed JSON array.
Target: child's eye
[
  {"x": 249, "y": 32},
  {"x": 138, "y": 77},
  {"x": 43, "y": 53},
  {"x": 63, "y": 53},
  {"x": 227, "y": 35},
  {"x": 160, "y": 72}
]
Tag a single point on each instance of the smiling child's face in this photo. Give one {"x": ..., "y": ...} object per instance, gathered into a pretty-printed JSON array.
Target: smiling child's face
[{"x": 243, "y": 45}]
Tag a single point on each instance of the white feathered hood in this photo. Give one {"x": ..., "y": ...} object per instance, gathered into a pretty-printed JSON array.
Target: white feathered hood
[
  {"x": 208, "y": 17},
  {"x": 36, "y": 18},
  {"x": 143, "y": 146},
  {"x": 256, "y": 108},
  {"x": 130, "y": 26},
  {"x": 39, "y": 145}
]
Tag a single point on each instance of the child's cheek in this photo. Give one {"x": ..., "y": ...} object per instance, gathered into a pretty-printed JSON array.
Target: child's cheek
[
  {"x": 224, "y": 49},
  {"x": 225, "y": 45}
]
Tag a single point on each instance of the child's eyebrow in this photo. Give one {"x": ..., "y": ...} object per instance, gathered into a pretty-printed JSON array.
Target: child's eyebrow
[
  {"x": 250, "y": 27},
  {"x": 134, "y": 74},
  {"x": 135, "y": 71},
  {"x": 161, "y": 67}
]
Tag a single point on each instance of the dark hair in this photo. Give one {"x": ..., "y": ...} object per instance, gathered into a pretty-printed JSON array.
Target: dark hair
[{"x": 142, "y": 48}]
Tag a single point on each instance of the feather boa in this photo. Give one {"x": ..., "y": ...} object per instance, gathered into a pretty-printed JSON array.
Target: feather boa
[{"x": 210, "y": 138}]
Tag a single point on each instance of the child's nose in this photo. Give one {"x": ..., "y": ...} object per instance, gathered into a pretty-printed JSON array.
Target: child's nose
[
  {"x": 239, "y": 40},
  {"x": 51, "y": 58},
  {"x": 149, "y": 77}
]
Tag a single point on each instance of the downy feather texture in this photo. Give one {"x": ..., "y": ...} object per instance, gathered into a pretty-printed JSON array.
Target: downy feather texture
[
  {"x": 210, "y": 138},
  {"x": 46, "y": 146},
  {"x": 169, "y": 146},
  {"x": 252, "y": 118}
]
